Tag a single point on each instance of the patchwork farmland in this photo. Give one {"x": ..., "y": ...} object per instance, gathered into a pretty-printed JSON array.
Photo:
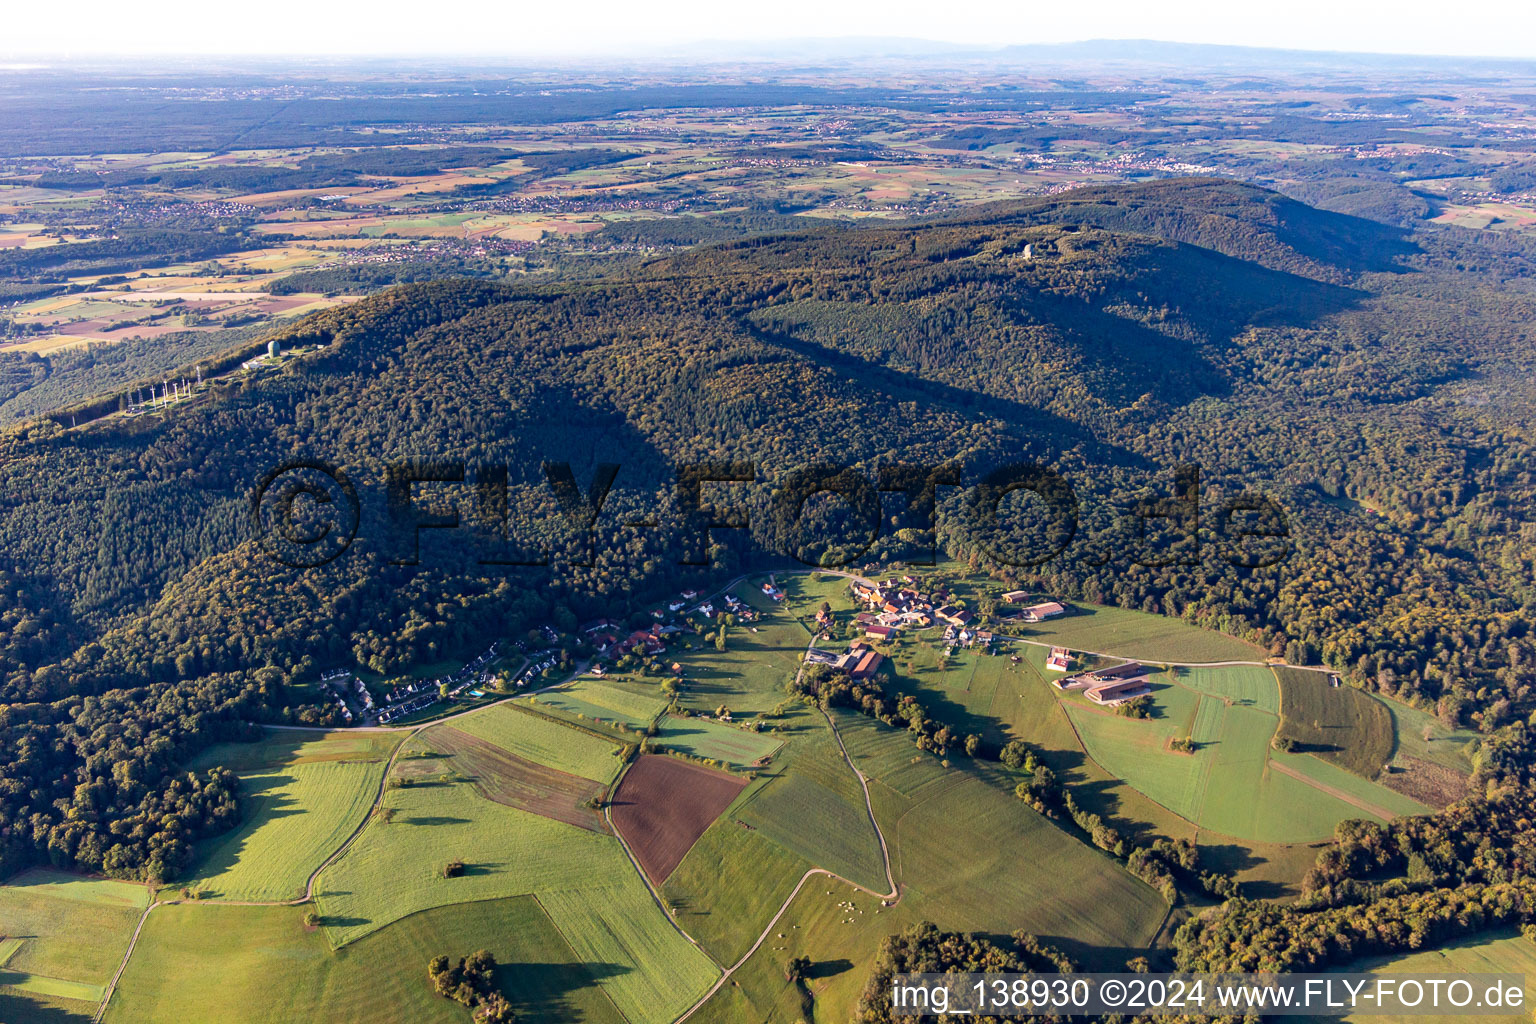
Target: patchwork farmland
[{"x": 815, "y": 815}]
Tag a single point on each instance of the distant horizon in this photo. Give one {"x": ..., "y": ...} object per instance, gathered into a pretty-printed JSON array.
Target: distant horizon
[
  {"x": 607, "y": 29},
  {"x": 728, "y": 49}
]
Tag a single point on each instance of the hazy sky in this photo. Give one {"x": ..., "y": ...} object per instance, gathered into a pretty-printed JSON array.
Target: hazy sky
[{"x": 517, "y": 27}]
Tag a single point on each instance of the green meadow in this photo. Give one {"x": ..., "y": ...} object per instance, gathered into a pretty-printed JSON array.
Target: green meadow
[
  {"x": 582, "y": 878},
  {"x": 295, "y": 817},
  {"x": 728, "y": 744},
  {"x": 538, "y": 739},
  {"x": 729, "y": 885},
  {"x": 1500, "y": 952},
  {"x": 810, "y": 803},
  {"x": 1025, "y": 873},
  {"x": 1235, "y": 783},
  {"x": 65, "y": 936},
  {"x": 1422, "y": 736},
  {"x": 629, "y": 704},
  {"x": 1340, "y": 724},
  {"x": 1133, "y": 634},
  {"x": 202, "y": 964}
]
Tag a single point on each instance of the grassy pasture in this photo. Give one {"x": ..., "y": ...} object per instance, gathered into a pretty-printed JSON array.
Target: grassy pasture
[
  {"x": 651, "y": 973},
  {"x": 278, "y": 748},
  {"x": 66, "y": 935},
  {"x": 1245, "y": 685},
  {"x": 728, "y": 744},
  {"x": 296, "y": 816},
  {"x": 1133, "y": 634},
  {"x": 1340, "y": 724},
  {"x": 515, "y": 781},
  {"x": 1025, "y": 873},
  {"x": 749, "y": 675},
  {"x": 729, "y": 885},
  {"x": 1234, "y": 784},
  {"x": 260, "y": 965},
  {"x": 394, "y": 871},
  {"x": 539, "y": 739},
  {"x": 1377, "y": 800},
  {"x": 1500, "y": 952},
  {"x": 1423, "y": 736},
  {"x": 1431, "y": 761},
  {"x": 811, "y": 804},
  {"x": 605, "y": 702},
  {"x": 394, "y": 868}
]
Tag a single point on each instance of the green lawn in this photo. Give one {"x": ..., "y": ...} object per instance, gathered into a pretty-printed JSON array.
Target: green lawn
[
  {"x": 394, "y": 871},
  {"x": 66, "y": 936},
  {"x": 260, "y": 965},
  {"x": 725, "y": 743},
  {"x": 539, "y": 739},
  {"x": 295, "y": 817}
]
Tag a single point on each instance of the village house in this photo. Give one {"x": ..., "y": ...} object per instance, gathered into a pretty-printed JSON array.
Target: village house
[
  {"x": 954, "y": 616},
  {"x": 1059, "y": 660}
]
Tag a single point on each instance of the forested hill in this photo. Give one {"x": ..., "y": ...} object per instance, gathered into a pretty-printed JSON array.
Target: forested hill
[
  {"x": 1235, "y": 219},
  {"x": 1368, "y": 384}
]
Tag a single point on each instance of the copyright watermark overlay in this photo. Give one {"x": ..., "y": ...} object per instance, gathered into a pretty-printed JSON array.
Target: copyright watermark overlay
[
  {"x": 1301, "y": 995},
  {"x": 306, "y": 512}
]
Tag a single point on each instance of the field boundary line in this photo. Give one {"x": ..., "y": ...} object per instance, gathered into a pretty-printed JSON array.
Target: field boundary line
[{"x": 1333, "y": 791}]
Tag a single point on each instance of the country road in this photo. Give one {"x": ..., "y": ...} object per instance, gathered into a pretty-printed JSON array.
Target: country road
[{"x": 892, "y": 896}]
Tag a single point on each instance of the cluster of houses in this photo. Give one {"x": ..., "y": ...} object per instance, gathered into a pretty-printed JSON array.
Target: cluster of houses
[
  {"x": 536, "y": 666},
  {"x": 346, "y": 712},
  {"x": 894, "y": 605},
  {"x": 733, "y": 605},
  {"x": 412, "y": 697},
  {"x": 337, "y": 679},
  {"x": 1110, "y": 686},
  {"x": 609, "y": 640}
]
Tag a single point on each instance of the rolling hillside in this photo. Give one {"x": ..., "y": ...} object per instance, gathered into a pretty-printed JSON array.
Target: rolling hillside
[{"x": 1111, "y": 336}]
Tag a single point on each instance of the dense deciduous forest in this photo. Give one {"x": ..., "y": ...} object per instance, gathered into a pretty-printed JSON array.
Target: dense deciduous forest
[{"x": 1371, "y": 385}]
